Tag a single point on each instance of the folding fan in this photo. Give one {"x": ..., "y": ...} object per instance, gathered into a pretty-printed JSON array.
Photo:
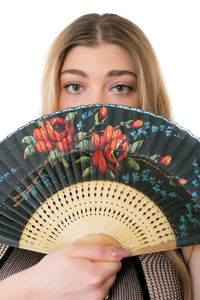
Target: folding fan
[{"x": 96, "y": 174}]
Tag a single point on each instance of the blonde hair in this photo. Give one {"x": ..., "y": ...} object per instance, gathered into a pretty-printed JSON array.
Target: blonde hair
[{"x": 92, "y": 30}]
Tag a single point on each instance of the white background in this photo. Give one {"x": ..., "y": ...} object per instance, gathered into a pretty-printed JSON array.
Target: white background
[{"x": 27, "y": 28}]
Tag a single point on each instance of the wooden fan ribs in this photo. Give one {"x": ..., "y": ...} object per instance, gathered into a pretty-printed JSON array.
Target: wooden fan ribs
[
  {"x": 102, "y": 174},
  {"x": 108, "y": 208}
]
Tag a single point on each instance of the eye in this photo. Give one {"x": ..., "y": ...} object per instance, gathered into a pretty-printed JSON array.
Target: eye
[
  {"x": 73, "y": 87},
  {"x": 122, "y": 88}
]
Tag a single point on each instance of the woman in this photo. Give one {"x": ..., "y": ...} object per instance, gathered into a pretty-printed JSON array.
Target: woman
[{"x": 102, "y": 59}]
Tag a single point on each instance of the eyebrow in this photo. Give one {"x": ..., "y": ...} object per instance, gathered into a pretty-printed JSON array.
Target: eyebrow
[
  {"x": 120, "y": 73},
  {"x": 110, "y": 74}
]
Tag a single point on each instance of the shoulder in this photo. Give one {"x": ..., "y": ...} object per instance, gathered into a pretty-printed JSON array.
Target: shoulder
[{"x": 192, "y": 258}]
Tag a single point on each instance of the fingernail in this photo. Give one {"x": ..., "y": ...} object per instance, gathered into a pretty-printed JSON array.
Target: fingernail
[{"x": 120, "y": 253}]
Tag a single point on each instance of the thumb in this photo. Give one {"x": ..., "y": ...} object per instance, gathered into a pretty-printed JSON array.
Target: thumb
[{"x": 96, "y": 252}]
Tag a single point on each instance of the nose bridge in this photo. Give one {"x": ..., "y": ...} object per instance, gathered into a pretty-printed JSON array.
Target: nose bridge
[{"x": 96, "y": 95}]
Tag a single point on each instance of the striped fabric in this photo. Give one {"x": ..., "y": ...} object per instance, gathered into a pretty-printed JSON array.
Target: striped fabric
[
  {"x": 161, "y": 277},
  {"x": 150, "y": 276},
  {"x": 3, "y": 249}
]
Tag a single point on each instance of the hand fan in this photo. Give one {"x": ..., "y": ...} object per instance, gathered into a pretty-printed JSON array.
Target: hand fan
[{"x": 108, "y": 174}]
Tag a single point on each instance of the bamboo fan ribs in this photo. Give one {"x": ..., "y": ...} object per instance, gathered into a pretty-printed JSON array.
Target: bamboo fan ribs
[{"x": 101, "y": 174}]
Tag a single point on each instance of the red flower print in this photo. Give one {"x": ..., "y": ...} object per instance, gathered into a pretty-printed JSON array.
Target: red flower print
[
  {"x": 182, "y": 181},
  {"x": 108, "y": 133},
  {"x": 165, "y": 160},
  {"x": 95, "y": 140},
  {"x": 102, "y": 112},
  {"x": 40, "y": 134},
  {"x": 44, "y": 146},
  {"x": 99, "y": 161},
  {"x": 114, "y": 148},
  {"x": 55, "y": 133},
  {"x": 175, "y": 181},
  {"x": 137, "y": 124}
]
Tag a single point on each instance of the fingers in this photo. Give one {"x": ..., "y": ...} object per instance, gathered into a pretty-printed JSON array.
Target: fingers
[
  {"x": 106, "y": 269},
  {"x": 97, "y": 292},
  {"x": 82, "y": 272},
  {"x": 109, "y": 283},
  {"x": 96, "y": 252},
  {"x": 101, "y": 291},
  {"x": 100, "y": 272}
]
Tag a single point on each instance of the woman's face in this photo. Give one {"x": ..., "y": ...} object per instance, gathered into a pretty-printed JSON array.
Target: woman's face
[{"x": 105, "y": 75}]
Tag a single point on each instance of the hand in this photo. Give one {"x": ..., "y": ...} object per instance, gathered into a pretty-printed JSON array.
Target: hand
[{"x": 72, "y": 273}]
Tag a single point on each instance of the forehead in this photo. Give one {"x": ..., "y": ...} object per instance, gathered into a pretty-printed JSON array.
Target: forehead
[{"x": 104, "y": 56}]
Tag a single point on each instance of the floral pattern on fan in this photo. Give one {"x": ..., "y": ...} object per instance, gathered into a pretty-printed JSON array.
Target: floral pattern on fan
[
  {"x": 58, "y": 136},
  {"x": 116, "y": 144},
  {"x": 55, "y": 133}
]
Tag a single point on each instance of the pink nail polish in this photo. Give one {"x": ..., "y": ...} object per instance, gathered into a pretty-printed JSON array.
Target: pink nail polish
[{"x": 119, "y": 253}]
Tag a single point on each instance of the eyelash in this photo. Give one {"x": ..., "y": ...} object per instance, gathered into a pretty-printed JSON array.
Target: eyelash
[
  {"x": 130, "y": 88},
  {"x": 67, "y": 85}
]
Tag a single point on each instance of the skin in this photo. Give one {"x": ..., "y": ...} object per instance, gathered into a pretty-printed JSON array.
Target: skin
[
  {"x": 72, "y": 273},
  {"x": 86, "y": 272},
  {"x": 192, "y": 258},
  {"x": 81, "y": 272},
  {"x": 97, "y": 87},
  {"x": 94, "y": 75}
]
